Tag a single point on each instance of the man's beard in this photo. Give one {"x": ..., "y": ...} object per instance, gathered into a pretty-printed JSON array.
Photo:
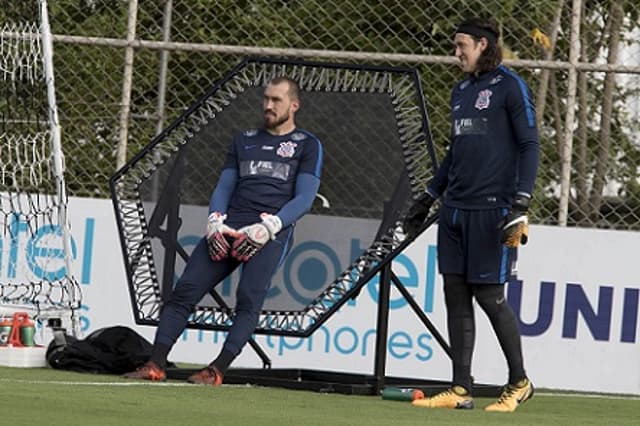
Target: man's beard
[{"x": 272, "y": 124}]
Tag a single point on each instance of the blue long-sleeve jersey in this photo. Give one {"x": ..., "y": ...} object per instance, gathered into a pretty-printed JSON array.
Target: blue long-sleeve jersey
[
  {"x": 264, "y": 173},
  {"x": 494, "y": 151}
]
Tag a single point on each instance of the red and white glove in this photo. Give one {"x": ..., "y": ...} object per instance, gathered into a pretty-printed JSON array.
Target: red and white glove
[
  {"x": 217, "y": 233},
  {"x": 251, "y": 238}
]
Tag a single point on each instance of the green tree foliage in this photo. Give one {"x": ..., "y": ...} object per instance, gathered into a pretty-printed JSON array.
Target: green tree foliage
[{"x": 89, "y": 77}]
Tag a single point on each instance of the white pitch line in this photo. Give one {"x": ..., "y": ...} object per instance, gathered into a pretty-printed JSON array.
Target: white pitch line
[
  {"x": 171, "y": 384},
  {"x": 69, "y": 383},
  {"x": 57, "y": 382},
  {"x": 589, "y": 395}
]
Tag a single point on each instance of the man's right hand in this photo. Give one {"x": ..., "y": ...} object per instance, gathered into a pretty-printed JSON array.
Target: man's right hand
[
  {"x": 217, "y": 233},
  {"x": 417, "y": 213}
]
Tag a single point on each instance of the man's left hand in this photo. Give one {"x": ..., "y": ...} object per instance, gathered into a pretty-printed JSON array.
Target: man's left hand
[
  {"x": 514, "y": 227},
  {"x": 250, "y": 239}
]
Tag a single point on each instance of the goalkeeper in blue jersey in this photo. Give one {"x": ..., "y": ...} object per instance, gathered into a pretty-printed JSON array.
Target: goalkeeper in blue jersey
[
  {"x": 268, "y": 181},
  {"x": 485, "y": 183}
]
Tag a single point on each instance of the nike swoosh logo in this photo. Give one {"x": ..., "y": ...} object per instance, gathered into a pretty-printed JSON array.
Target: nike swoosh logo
[
  {"x": 500, "y": 301},
  {"x": 524, "y": 397},
  {"x": 248, "y": 147}
]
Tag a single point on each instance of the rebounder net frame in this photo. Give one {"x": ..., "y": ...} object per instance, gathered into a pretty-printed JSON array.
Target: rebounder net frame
[
  {"x": 148, "y": 192},
  {"x": 35, "y": 240}
]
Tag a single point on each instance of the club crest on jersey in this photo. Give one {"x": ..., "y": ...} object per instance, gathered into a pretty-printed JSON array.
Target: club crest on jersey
[
  {"x": 483, "y": 99},
  {"x": 287, "y": 149}
]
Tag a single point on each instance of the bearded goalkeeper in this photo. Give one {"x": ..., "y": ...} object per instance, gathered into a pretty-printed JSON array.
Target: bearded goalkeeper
[{"x": 269, "y": 180}]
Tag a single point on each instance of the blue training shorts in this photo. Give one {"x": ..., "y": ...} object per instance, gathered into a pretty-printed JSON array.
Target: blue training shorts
[{"x": 469, "y": 245}]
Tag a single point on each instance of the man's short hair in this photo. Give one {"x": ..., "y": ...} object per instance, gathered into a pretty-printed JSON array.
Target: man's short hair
[{"x": 294, "y": 87}]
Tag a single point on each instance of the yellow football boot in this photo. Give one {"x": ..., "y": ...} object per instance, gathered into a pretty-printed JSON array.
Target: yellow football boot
[
  {"x": 455, "y": 397},
  {"x": 512, "y": 396}
]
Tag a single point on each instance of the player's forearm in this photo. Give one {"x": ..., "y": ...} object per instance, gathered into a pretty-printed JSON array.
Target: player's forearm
[
  {"x": 307, "y": 187},
  {"x": 529, "y": 157},
  {"x": 439, "y": 183},
  {"x": 219, "y": 201}
]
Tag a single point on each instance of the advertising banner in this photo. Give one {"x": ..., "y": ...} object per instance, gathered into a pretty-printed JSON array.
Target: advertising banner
[{"x": 577, "y": 299}]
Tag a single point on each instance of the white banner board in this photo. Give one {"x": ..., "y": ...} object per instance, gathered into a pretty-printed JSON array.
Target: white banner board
[{"x": 577, "y": 299}]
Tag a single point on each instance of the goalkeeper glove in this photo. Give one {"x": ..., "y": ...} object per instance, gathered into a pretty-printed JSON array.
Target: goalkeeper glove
[
  {"x": 217, "y": 233},
  {"x": 515, "y": 225},
  {"x": 252, "y": 238},
  {"x": 273, "y": 224},
  {"x": 418, "y": 213}
]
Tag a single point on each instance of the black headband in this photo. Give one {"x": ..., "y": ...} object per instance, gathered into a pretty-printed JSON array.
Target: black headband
[{"x": 478, "y": 32}]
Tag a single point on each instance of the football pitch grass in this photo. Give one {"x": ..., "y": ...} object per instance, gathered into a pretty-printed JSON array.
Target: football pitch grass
[{"x": 43, "y": 396}]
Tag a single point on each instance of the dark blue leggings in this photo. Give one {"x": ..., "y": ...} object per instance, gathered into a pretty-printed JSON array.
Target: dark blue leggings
[
  {"x": 462, "y": 329},
  {"x": 201, "y": 274}
]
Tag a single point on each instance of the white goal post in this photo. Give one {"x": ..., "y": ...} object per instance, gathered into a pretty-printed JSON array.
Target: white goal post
[{"x": 36, "y": 253}]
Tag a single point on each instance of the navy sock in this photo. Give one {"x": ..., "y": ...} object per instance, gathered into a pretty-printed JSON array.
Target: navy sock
[
  {"x": 159, "y": 354},
  {"x": 224, "y": 359}
]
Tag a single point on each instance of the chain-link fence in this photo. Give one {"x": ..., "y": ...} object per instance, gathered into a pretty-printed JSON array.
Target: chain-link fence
[{"x": 125, "y": 69}]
